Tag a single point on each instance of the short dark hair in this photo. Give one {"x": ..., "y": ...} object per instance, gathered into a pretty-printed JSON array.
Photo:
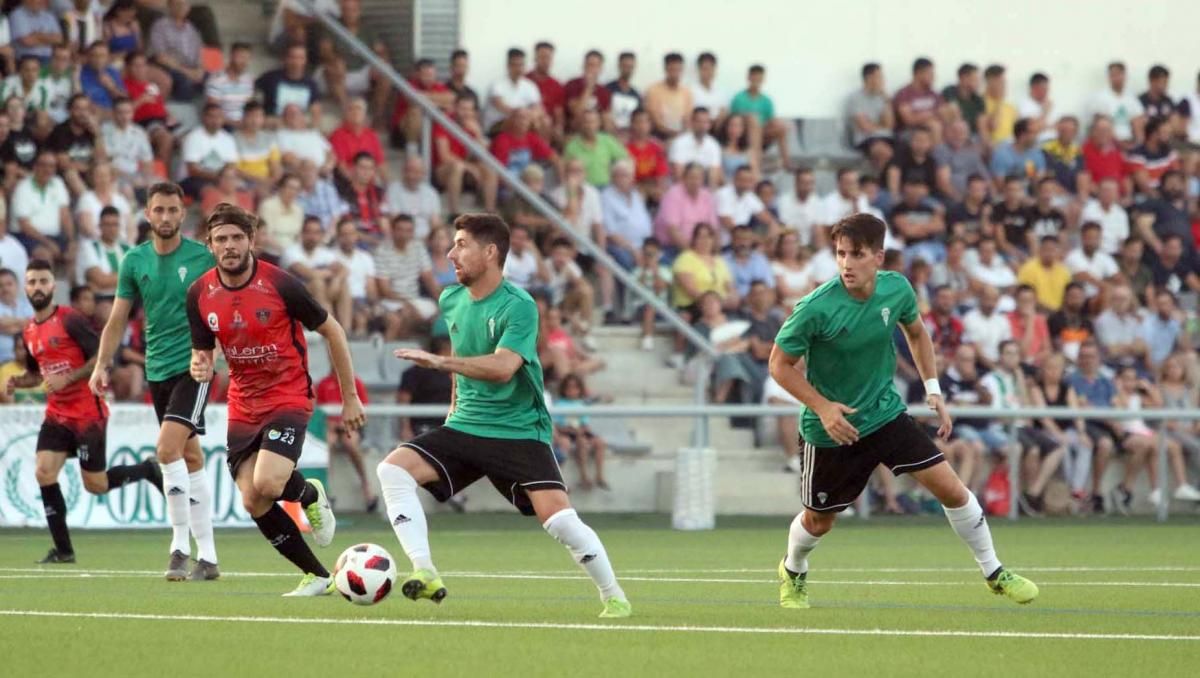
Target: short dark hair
[
  {"x": 210, "y": 106},
  {"x": 403, "y": 216},
  {"x": 1073, "y": 285},
  {"x": 593, "y": 53},
  {"x": 863, "y": 230},
  {"x": 1049, "y": 238},
  {"x": 1026, "y": 288},
  {"x": 458, "y": 54},
  {"x": 226, "y": 214},
  {"x": 967, "y": 69},
  {"x": 626, "y": 55},
  {"x": 543, "y": 44},
  {"x": 706, "y": 57},
  {"x": 423, "y": 62},
  {"x": 698, "y": 110},
  {"x": 1038, "y": 79},
  {"x": 1153, "y": 125},
  {"x": 974, "y": 177},
  {"x": 1020, "y": 127},
  {"x": 76, "y": 97},
  {"x": 1171, "y": 174},
  {"x": 1046, "y": 180},
  {"x": 77, "y": 292},
  {"x": 488, "y": 229},
  {"x": 121, "y": 100},
  {"x": 164, "y": 188},
  {"x": 869, "y": 69},
  {"x": 515, "y": 53},
  {"x": 651, "y": 242},
  {"x": 239, "y": 47},
  {"x": 28, "y": 57},
  {"x": 36, "y": 265},
  {"x": 1159, "y": 71},
  {"x": 1116, "y": 66},
  {"x": 1089, "y": 226},
  {"x": 993, "y": 71},
  {"x": 252, "y": 106},
  {"x": 672, "y": 58},
  {"x": 921, "y": 63},
  {"x": 109, "y": 211},
  {"x": 757, "y": 69},
  {"x": 360, "y": 155}
]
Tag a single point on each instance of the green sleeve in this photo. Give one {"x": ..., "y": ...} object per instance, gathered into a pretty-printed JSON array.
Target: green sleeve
[
  {"x": 908, "y": 308},
  {"x": 520, "y": 330},
  {"x": 619, "y": 152},
  {"x": 768, "y": 108},
  {"x": 799, "y": 330},
  {"x": 127, "y": 278},
  {"x": 738, "y": 104}
]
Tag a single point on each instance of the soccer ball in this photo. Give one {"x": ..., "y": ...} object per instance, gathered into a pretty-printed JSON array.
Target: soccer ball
[{"x": 364, "y": 574}]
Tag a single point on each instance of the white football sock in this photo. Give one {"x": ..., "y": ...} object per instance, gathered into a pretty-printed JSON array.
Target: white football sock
[
  {"x": 399, "y": 490},
  {"x": 971, "y": 525},
  {"x": 201, "y": 516},
  {"x": 176, "y": 490},
  {"x": 800, "y": 544},
  {"x": 585, "y": 547}
]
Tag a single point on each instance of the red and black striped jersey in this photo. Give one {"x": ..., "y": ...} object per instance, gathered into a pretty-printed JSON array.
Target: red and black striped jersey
[{"x": 61, "y": 344}]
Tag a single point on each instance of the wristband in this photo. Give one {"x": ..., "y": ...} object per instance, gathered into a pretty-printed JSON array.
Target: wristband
[{"x": 932, "y": 388}]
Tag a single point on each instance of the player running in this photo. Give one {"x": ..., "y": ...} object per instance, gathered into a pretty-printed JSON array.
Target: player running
[
  {"x": 498, "y": 426},
  {"x": 157, "y": 273},
  {"x": 835, "y": 354},
  {"x": 61, "y": 349},
  {"x": 256, "y": 311}
]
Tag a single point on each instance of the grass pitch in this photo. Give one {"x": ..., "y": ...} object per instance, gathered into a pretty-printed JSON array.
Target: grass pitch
[{"x": 896, "y": 596}]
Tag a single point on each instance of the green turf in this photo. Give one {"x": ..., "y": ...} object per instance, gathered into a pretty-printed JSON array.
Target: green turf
[{"x": 1147, "y": 597}]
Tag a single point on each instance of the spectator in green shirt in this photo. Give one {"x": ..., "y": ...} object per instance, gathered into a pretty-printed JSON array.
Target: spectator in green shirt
[
  {"x": 765, "y": 128},
  {"x": 595, "y": 149}
]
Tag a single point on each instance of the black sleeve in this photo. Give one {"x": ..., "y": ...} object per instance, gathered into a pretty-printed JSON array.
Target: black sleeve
[
  {"x": 298, "y": 302},
  {"x": 203, "y": 338},
  {"x": 408, "y": 381},
  {"x": 82, "y": 333},
  {"x": 57, "y": 140},
  {"x": 31, "y": 363}
]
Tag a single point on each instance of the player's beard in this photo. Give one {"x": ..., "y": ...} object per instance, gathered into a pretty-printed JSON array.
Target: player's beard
[
  {"x": 239, "y": 267},
  {"x": 165, "y": 230},
  {"x": 40, "y": 300},
  {"x": 465, "y": 276}
]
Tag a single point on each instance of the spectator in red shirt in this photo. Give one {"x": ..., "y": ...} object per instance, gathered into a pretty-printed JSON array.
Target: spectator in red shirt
[
  {"x": 649, "y": 157},
  {"x": 452, "y": 164},
  {"x": 356, "y": 136},
  {"x": 585, "y": 93},
  {"x": 945, "y": 328},
  {"x": 1102, "y": 157},
  {"x": 917, "y": 104},
  {"x": 149, "y": 106},
  {"x": 1149, "y": 161},
  {"x": 363, "y": 194},
  {"x": 406, "y": 119},
  {"x": 345, "y": 440},
  {"x": 517, "y": 146},
  {"x": 553, "y": 93},
  {"x": 460, "y": 62}
]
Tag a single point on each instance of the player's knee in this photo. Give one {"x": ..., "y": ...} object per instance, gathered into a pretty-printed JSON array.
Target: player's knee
[
  {"x": 95, "y": 483},
  {"x": 269, "y": 487},
  {"x": 167, "y": 452},
  {"x": 392, "y": 472},
  {"x": 45, "y": 476},
  {"x": 816, "y": 523}
]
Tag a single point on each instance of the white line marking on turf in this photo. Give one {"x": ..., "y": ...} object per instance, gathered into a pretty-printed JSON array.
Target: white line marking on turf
[
  {"x": 905, "y": 570},
  {"x": 935, "y": 633}
]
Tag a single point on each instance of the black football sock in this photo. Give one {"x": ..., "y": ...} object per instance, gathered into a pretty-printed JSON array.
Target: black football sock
[
  {"x": 277, "y": 526},
  {"x": 120, "y": 476},
  {"x": 56, "y": 518},
  {"x": 297, "y": 489}
]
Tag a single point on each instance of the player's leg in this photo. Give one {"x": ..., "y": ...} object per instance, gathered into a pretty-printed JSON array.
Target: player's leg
[
  {"x": 48, "y": 464},
  {"x": 93, "y": 459},
  {"x": 350, "y": 442},
  {"x": 172, "y": 439},
  {"x": 180, "y": 401},
  {"x": 553, "y": 509},
  {"x": 400, "y": 473},
  {"x": 599, "y": 452},
  {"x": 200, "y": 512}
]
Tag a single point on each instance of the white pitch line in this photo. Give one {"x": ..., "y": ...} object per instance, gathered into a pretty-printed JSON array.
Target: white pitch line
[
  {"x": 907, "y": 570},
  {"x": 927, "y": 633}
]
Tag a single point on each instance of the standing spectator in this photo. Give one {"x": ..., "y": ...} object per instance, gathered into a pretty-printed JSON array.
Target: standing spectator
[
  {"x": 1119, "y": 330},
  {"x": 1105, "y": 210},
  {"x": 77, "y": 143},
  {"x": 405, "y": 280},
  {"x": 916, "y": 103},
  {"x": 1155, "y": 101},
  {"x": 34, "y": 30},
  {"x": 360, "y": 278},
  {"x": 319, "y": 197},
  {"x": 670, "y": 100},
  {"x": 15, "y": 312},
  {"x": 128, "y": 147},
  {"x": 651, "y": 168},
  {"x": 915, "y": 161},
  {"x": 625, "y": 97},
  {"x": 175, "y": 47},
  {"x": 1149, "y": 161},
  {"x": 553, "y": 97},
  {"x": 517, "y": 146},
  {"x": 415, "y": 196},
  {"x": 1102, "y": 157},
  {"x": 1052, "y": 389},
  {"x": 407, "y": 119},
  {"x": 961, "y": 158},
  {"x": 802, "y": 209},
  {"x": 259, "y": 162},
  {"x": 103, "y": 193},
  {"x": 963, "y": 98},
  {"x": 986, "y": 327},
  {"x": 586, "y": 94},
  {"x": 346, "y": 73},
  {"x": 870, "y": 117},
  {"x": 1120, "y": 106},
  {"x": 1037, "y": 107},
  {"x": 626, "y": 219},
  {"x": 765, "y": 128},
  {"x": 98, "y": 80},
  {"x": 460, "y": 64},
  {"x": 149, "y": 107},
  {"x": 1179, "y": 393},
  {"x": 685, "y": 206},
  {"x": 355, "y": 136},
  {"x": 1018, "y": 157},
  {"x": 1162, "y": 330},
  {"x": 970, "y": 218},
  {"x": 366, "y": 202},
  {"x": 207, "y": 149},
  {"x": 233, "y": 87},
  {"x": 656, "y": 277},
  {"x": 298, "y": 141},
  {"x": 100, "y": 258},
  {"x": 1141, "y": 442},
  {"x": 41, "y": 210},
  {"x": 1064, "y": 158},
  {"x": 453, "y": 165},
  {"x": 706, "y": 93},
  {"x": 1046, "y": 274},
  {"x": 945, "y": 326},
  {"x": 699, "y": 147},
  {"x": 1028, "y": 327},
  {"x": 513, "y": 93},
  {"x": 319, "y": 269},
  {"x": 738, "y": 205},
  {"x": 283, "y": 218},
  {"x": 289, "y": 84},
  {"x": 919, "y": 223},
  {"x": 1089, "y": 264},
  {"x": 597, "y": 150}
]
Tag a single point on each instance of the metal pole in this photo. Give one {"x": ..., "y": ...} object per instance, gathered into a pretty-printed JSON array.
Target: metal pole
[
  {"x": 703, "y": 375},
  {"x": 426, "y": 141},
  {"x": 1164, "y": 505},
  {"x": 1014, "y": 471}
]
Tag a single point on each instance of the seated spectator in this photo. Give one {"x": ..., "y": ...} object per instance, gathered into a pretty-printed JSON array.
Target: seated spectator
[
  {"x": 1152, "y": 159},
  {"x": 684, "y": 206},
  {"x": 407, "y": 119},
  {"x": 734, "y": 137},
  {"x": 846, "y": 199},
  {"x": 460, "y": 63},
  {"x": 1039, "y": 109},
  {"x": 1133, "y": 269},
  {"x": 1070, "y": 325},
  {"x": 517, "y": 210},
  {"x": 1089, "y": 264},
  {"x": 1094, "y": 389},
  {"x": 34, "y": 30},
  {"x": 517, "y": 146},
  {"x": 122, "y": 30},
  {"x": 149, "y": 106},
  {"x": 987, "y": 266},
  {"x": 1141, "y": 442},
  {"x": 1178, "y": 393},
  {"x": 625, "y": 98},
  {"x": 355, "y": 136},
  {"x": 283, "y": 216},
  {"x": 1106, "y": 211},
  {"x": 586, "y": 94},
  {"x": 1027, "y": 325},
  {"x": 12, "y": 252},
  {"x": 207, "y": 150},
  {"x": 962, "y": 99},
  {"x": 1120, "y": 106},
  {"x": 655, "y": 276},
  {"x": 58, "y": 81},
  {"x": 454, "y": 168},
  {"x": 945, "y": 327},
  {"x": 289, "y": 84},
  {"x": 986, "y": 327},
  {"x": 737, "y": 205},
  {"x": 919, "y": 223},
  {"x": 961, "y": 159},
  {"x": 955, "y": 273},
  {"x": 701, "y": 269},
  {"x": 524, "y": 266},
  {"x": 404, "y": 275},
  {"x": 1102, "y": 157},
  {"x": 75, "y": 140},
  {"x": 565, "y": 355},
  {"x": 227, "y": 188},
  {"x": 917, "y": 104},
  {"x": 100, "y": 258},
  {"x": 83, "y": 300},
  {"x": 294, "y": 24},
  {"x": 650, "y": 160},
  {"x": 99, "y": 81},
  {"x": 104, "y": 193},
  {"x": 567, "y": 286},
  {"x": 1175, "y": 270},
  {"x": 735, "y": 377},
  {"x": 583, "y": 212},
  {"x": 1167, "y": 215},
  {"x": 175, "y": 46},
  {"x": 870, "y": 116},
  {"x": 669, "y": 101},
  {"x": 361, "y": 280},
  {"x": 41, "y": 211},
  {"x": 259, "y": 161},
  {"x": 438, "y": 244},
  {"x": 425, "y": 386},
  {"x": 299, "y": 141},
  {"x": 999, "y": 116},
  {"x": 345, "y": 440},
  {"x": 1044, "y": 218},
  {"x": 1051, "y": 389},
  {"x": 1012, "y": 222},
  {"x": 233, "y": 87},
  {"x": 319, "y": 197},
  {"x": 515, "y": 92},
  {"x": 15, "y": 312},
  {"x": 626, "y": 219},
  {"x": 415, "y": 196},
  {"x": 345, "y": 73},
  {"x": 765, "y": 128},
  {"x": 1162, "y": 330},
  {"x": 584, "y": 445},
  {"x": 746, "y": 263},
  {"x": 1189, "y": 112},
  {"x": 706, "y": 93},
  {"x": 1064, "y": 158},
  {"x": 595, "y": 149},
  {"x": 26, "y": 84},
  {"x": 127, "y": 147},
  {"x": 803, "y": 210},
  {"x": 320, "y": 271},
  {"x": 1046, "y": 274},
  {"x": 1156, "y": 102},
  {"x": 972, "y": 217},
  {"x": 553, "y": 101},
  {"x": 1119, "y": 330},
  {"x": 366, "y": 202},
  {"x": 915, "y": 162},
  {"x": 698, "y": 147},
  {"x": 1018, "y": 157}
]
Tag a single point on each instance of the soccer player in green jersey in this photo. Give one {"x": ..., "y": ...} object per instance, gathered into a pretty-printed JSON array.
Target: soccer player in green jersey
[
  {"x": 835, "y": 355},
  {"x": 158, "y": 273},
  {"x": 498, "y": 426}
]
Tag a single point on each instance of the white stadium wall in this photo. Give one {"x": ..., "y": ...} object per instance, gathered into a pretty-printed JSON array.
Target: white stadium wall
[{"x": 813, "y": 50}]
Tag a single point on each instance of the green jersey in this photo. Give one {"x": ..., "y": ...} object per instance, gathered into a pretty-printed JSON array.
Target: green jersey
[
  {"x": 849, "y": 353},
  {"x": 161, "y": 283},
  {"x": 507, "y": 318},
  {"x": 758, "y": 105}
]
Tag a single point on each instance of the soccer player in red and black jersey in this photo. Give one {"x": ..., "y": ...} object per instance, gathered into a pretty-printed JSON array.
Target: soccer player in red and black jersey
[
  {"x": 259, "y": 313},
  {"x": 61, "y": 352}
]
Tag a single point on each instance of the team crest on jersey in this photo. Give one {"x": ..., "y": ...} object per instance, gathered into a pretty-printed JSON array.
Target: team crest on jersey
[
  {"x": 454, "y": 328},
  {"x": 213, "y": 324},
  {"x": 263, "y": 315},
  {"x": 886, "y": 313},
  {"x": 238, "y": 322},
  {"x": 53, "y": 342},
  {"x": 821, "y": 497},
  {"x": 182, "y": 273},
  {"x": 491, "y": 328}
]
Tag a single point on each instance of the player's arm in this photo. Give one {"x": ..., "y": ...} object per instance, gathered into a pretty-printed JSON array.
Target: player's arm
[
  {"x": 32, "y": 376},
  {"x": 497, "y": 367},
  {"x": 204, "y": 341},
  {"x": 921, "y": 346},
  {"x": 789, "y": 372},
  {"x": 110, "y": 338}
]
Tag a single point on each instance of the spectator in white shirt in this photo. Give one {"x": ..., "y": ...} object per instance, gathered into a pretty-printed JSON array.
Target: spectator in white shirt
[
  {"x": 415, "y": 196},
  {"x": 1038, "y": 108},
  {"x": 104, "y": 193},
  {"x": 737, "y": 205},
  {"x": 299, "y": 142},
  {"x": 802, "y": 209},
  {"x": 987, "y": 267},
  {"x": 207, "y": 149},
  {"x": 706, "y": 93},
  {"x": 580, "y": 205},
  {"x": 360, "y": 277},
  {"x": 128, "y": 146},
  {"x": 699, "y": 147},
  {"x": 1122, "y": 106},
  {"x": 512, "y": 92},
  {"x": 100, "y": 258},
  {"x": 1088, "y": 263},
  {"x": 524, "y": 266},
  {"x": 1105, "y": 209},
  {"x": 626, "y": 220},
  {"x": 318, "y": 267},
  {"x": 986, "y": 327},
  {"x": 12, "y": 253},
  {"x": 41, "y": 210},
  {"x": 848, "y": 199},
  {"x": 234, "y": 86}
]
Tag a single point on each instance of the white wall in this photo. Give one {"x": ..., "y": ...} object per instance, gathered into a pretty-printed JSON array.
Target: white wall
[{"x": 813, "y": 50}]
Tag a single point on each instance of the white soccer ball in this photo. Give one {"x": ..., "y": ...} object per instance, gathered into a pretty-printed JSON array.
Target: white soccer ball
[{"x": 364, "y": 574}]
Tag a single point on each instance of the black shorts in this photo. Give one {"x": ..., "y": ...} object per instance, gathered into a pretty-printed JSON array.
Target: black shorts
[
  {"x": 85, "y": 439},
  {"x": 281, "y": 433},
  {"x": 513, "y": 466},
  {"x": 1031, "y": 437},
  {"x": 180, "y": 398},
  {"x": 833, "y": 477}
]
